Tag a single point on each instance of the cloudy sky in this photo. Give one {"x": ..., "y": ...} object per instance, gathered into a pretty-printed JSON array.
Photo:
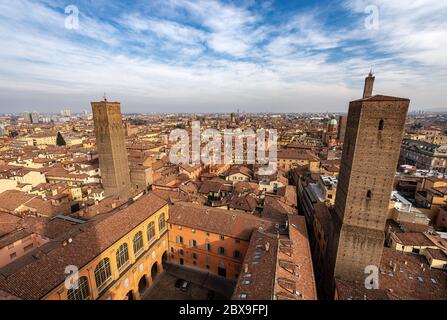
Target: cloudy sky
[{"x": 219, "y": 56}]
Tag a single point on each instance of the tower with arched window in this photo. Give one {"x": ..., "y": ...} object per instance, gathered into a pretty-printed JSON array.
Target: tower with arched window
[{"x": 371, "y": 150}]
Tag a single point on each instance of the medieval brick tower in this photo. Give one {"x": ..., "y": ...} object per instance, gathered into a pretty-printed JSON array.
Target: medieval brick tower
[
  {"x": 111, "y": 147},
  {"x": 372, "y": 142}
]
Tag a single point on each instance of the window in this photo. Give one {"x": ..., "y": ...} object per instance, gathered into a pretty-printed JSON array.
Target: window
[
  {"x": 102, "y": 272},
  {"x": 236, "y": 254},
  {"x": 151, "y": 232},
  {"x": 368, "y": 194},
  {"x": 138, "y": 242},
  {"x": 221, "y": 250},
  {"x": 194, "y": 255},
  {"x": 13, "y": 255},
  {"x": 82, "y": 292},
  {"x": 122, "y": 255},
  {"x": 179, "y": 239},
  {"x": 381, "y": 124},
  {"x": 193, "y": 243},
  {"x": 161, "y": 222},
  {"x": 222, "y": 238},
  {"x": 208, "y": 246},
  {"x": 180, "y": 252}
]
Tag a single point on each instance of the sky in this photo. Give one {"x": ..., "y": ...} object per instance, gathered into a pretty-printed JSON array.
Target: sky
[{"x": 219, "y": 56}]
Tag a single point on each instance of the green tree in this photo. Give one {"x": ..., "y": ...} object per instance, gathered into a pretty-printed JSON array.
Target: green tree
[{"x": 60, "y": 141}]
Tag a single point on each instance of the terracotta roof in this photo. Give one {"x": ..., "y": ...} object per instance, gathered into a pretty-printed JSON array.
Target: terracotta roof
[
  {"x": 8, "y": 223},
  {"x": 414, "y": 239},
  {"x": 278, "y": 267},
  {"x": 245, "y": 202},
  {"x": 234, "y": 223},
  {"x": 437, "y": 254},
  {"x": 296, "y": 154},
  {"x": 403, "y": 276},
  {"x": 383, "y": 98},
  {"x": 274, "y": 208},
  {"x": 214, "y": 185},
  {"x": 245, "y": 186},
  {"x": 12, "y": 199}
]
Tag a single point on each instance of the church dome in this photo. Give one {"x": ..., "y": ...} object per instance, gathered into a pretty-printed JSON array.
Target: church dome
[{"x": 333, "y": 122}]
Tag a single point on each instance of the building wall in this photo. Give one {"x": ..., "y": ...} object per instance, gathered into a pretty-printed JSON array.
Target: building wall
[
  {"x": 20, "y": 247},
  {"x": 8, "y": 184},
  {"x": 441, "y": 219},
  {"x": 206, "y": 260},
  {"x": 237, "y": 177},
  {"x": 33, "y": 177},
  {"x": 139, "y": 266},
  {"x": 368, "y": 166},
  {"x": 141, "y": 177}
]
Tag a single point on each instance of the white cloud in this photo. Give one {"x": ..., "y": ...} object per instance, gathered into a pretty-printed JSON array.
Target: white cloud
[{"x": 286, "y": 66}]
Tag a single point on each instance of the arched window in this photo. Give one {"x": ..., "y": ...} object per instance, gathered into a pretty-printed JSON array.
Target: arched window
[
  {"x": 161, "y": 222},
  {"x": 368, "y": 194},
  {"x": 102, "y": 272},
  {"x": 138, "y": 242},
  {"x": 381, "y": 124},
  {"x": 122, "y": 255},
  {"x": 151, "y": 232},
  {"x": 221, "y": 250},
  {"x": 82, "y": 292}
]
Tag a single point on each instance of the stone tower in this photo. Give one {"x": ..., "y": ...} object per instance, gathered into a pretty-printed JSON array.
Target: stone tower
[
  {"x": 370, "y": 154},
  {"x": 341, "y": 129},
  {"x": 111, "y": 147}
]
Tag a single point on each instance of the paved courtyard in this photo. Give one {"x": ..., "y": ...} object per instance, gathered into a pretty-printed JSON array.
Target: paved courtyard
[{"x": 202, "y": 283}]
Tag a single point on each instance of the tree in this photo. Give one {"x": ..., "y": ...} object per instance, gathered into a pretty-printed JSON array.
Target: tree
[{"x": 60, "y": 141}]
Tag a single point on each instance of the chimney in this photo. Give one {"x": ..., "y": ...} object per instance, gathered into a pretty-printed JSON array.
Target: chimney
[{"x": 369, "y": 84}]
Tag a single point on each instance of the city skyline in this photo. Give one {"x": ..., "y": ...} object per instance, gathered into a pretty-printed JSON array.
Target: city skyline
[{"x": 186, "y": 56}]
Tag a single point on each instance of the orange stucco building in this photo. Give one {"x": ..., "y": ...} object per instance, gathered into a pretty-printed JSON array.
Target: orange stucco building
[{"x": 211, "y": 239}]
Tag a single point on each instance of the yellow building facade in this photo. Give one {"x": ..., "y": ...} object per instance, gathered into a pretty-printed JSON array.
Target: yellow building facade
[{"x": 126, "y": 269}]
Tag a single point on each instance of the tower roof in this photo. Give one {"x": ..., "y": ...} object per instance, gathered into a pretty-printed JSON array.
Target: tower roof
[{"x": 383, "y": 98}]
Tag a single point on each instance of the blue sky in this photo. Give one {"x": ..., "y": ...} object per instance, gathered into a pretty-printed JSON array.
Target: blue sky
[{"x": 206, "y": 56}]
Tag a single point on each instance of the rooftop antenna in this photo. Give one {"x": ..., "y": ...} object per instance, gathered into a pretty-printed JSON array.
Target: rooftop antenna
[{"x": 371, "y": 71}]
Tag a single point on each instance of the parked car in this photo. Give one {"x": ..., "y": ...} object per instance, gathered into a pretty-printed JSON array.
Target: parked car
[
  {"x": 179, "y": 283},
  {"x": 185, "y": 286}
]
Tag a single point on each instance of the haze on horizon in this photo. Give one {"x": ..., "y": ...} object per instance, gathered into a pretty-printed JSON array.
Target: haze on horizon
[{"x": 206, "y": 56}]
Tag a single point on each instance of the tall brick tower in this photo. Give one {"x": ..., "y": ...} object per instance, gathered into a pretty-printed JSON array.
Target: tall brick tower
[
  {"x": 372, "y": 142},
  {"x": 111, "y": 147}
]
